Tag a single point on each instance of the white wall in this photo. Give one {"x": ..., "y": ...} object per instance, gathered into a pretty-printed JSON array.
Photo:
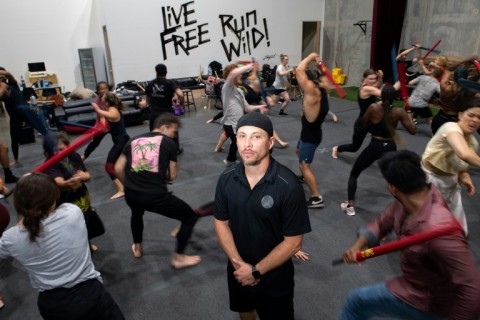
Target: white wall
[
  {"x": 134, "y": 33},
  {"x": 53, "y": 30},
  {"x": 50, "y": 31}
]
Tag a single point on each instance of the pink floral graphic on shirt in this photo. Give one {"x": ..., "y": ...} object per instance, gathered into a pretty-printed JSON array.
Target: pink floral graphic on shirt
[{"x": 145, "y": 153}]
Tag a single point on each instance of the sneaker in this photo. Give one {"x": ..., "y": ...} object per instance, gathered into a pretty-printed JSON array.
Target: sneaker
[
  {"x": 180, "y": 150},
  {"x": 229, "y": 163},
  {"x": 301, "y": 178},
  {"x": 335, "y": 152},
  {"x": 315, "y": 202},
  {"x": 282, "y": 113},
  {"x": 348, "y": 210},
  {"x": 11, "y": 179}
]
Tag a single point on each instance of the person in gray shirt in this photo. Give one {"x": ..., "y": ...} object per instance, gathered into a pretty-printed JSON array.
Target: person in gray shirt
[{"x": 51, "y": 244}]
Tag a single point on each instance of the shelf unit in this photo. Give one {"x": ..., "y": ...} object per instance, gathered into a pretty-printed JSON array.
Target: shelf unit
[{"x": 92, "y": 65}]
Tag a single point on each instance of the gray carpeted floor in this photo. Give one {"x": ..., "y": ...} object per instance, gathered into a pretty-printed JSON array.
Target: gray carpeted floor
[{"x": 148, "y": 288}]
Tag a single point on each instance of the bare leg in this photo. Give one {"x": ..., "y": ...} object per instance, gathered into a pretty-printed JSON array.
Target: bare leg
[
  {"x": 282, "y": 143},
  {"x": 251, "y": 315},
  {"x": 4, "y": 161},
  {"x": 120, "y": 191},
  {"x": 221, "y": 140},
  {"x": 286, "y": 101},
  {"x": 310, "y": 179}
]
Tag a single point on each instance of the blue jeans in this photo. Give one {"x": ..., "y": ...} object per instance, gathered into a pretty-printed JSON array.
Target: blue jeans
[{"x": 378, "y": 301}]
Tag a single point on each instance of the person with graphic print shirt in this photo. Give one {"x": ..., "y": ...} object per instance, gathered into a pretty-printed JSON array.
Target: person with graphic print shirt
[{"x": 148, "y": 163}]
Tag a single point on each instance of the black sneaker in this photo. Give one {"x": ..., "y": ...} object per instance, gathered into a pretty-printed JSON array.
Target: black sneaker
[
  {"x": 282, "y": 113},
  {"x": 301, "y": 178},
  {"x": 315, "y": 202},
  {"x": 11, "y": 179},
  {"x": 180, "y": 150}
]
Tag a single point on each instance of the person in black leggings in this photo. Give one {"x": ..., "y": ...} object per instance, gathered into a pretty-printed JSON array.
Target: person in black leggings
[
  {"x": 102, "y": 88},
  {"x": 380, "y": 120},
  {"x": 119, "y": 136},
  {"x": 367, "y": 94}
]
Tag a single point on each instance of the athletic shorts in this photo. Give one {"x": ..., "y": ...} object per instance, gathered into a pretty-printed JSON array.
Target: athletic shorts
[
  {"x": 424, "y": 112},
  {"x": 306, "y": 151},
  {"x": 244, "y": 299},
  {"x": 278, "y": 91}
]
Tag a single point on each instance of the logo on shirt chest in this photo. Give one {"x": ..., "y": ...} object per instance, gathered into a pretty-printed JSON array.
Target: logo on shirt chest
[{"x": 267, "y": 202}]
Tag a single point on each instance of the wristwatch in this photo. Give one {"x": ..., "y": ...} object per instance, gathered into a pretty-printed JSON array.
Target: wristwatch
[{"x": 255, "y": 273}]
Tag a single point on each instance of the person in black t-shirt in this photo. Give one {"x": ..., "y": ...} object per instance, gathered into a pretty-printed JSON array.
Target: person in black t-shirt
[
  {"x": 148, "y": 162},
  {"x": 260, "y": 218},
  {"x": 159, "y": 94}
]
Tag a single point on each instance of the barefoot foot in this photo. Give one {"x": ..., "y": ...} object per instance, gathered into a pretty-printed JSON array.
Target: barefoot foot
[
  {"x": 180, "y": 261},
  {"x": 335, "y": 152},
  {"x": 283, "y": 144},
  {"x": 117, "y": 195},
  {"x": 137, "y": 250}
]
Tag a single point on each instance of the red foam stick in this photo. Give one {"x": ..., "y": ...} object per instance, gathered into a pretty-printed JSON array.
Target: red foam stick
[
  {"x": 431, "y": 49},
  {"x": 477, "y": 65},
  {"x": 404, "y": 242},
  {"x": 402, "y": 77},
  {"x": 341, "y": 93},
  {"x": 84, "y": 138}
]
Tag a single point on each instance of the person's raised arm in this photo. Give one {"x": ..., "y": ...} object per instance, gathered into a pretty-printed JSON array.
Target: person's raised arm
[
  {"x": 232, "y": 76},
  {"x": 459, "y": 145},
  {"x": 3, "y": 89},
  {"x": 306, "y": 85},
  {"x": 404, "y": 53}
]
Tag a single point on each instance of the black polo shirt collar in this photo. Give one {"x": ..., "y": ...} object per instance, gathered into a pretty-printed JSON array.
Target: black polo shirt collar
[{"x": 268, "y": 177}]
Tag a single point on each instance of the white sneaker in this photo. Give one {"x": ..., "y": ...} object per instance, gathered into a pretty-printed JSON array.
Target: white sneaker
[
  {"x": 348, "y": 210},
  {"x": 229, "y": 163}
]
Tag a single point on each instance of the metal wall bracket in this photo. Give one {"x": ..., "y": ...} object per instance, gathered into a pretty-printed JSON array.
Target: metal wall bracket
[{"x": 363, "y": 25}]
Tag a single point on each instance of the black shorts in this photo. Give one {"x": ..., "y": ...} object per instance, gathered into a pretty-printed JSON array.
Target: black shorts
[
  {"x": 424, "y": 112},
  {"x": 278, "y": 91},
  {"x": 245, "y": 299}
]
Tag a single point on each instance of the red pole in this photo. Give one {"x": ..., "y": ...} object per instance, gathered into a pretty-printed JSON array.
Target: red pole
[
  {"x": 404, "y": 242},
  {"x": 341, "y": 93},
  {"x": 477, "y": 65},
  {"x": 84, "y": 138},
  {"x": 431, "y": 49},
  {"x": 402, "y": 77}
]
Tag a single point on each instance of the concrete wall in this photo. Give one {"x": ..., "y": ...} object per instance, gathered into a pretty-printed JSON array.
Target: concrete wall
[
  {"x": 456, "y": 23},
  {"x": 344, "y": 44}
]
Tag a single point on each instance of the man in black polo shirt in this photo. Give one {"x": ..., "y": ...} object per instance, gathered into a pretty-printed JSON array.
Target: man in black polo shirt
[
  {"x": 159, "y": 93},
  {"x": 148, "y": 162},
  {"x": 260, "y": 218}
]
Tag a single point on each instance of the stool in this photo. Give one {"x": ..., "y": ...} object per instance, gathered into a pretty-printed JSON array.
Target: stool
[{"x": 186, "y": 101}]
